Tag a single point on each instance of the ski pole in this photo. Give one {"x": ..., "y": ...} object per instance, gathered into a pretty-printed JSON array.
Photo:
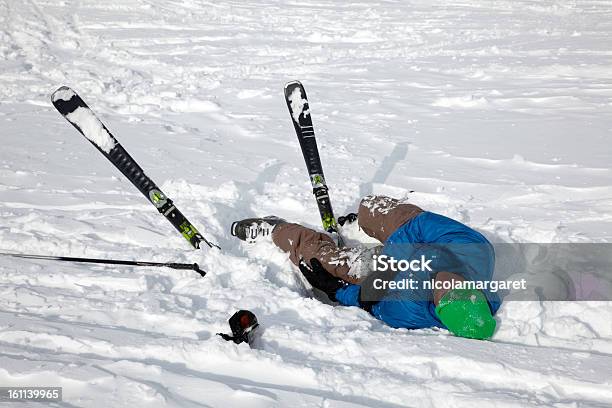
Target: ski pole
[{"x": 172, "y": 265}]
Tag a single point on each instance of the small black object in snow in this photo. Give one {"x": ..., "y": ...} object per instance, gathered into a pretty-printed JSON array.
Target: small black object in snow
[{"x": 243, "y": 324}]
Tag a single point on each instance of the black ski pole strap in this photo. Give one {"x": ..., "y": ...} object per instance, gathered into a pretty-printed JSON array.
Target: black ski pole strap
[{"x": 172, "y": 265}]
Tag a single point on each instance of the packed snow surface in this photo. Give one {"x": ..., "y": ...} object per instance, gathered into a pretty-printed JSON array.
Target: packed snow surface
[{"x": 497, "y": 114}]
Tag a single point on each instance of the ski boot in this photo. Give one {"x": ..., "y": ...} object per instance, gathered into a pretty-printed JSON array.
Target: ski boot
[{"x": 255, "y": 229}]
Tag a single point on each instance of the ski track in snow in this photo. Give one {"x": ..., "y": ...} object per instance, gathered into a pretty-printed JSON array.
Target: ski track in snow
[{"x": 494, "y": 113}]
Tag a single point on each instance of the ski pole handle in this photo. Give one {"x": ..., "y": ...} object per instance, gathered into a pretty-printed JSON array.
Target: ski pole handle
[{"x": 181, "y": 266}]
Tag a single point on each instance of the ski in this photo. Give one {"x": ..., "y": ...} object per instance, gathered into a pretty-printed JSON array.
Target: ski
[
  {"x": 76, "y": 111},
  {"x": 299, "y": 109}
]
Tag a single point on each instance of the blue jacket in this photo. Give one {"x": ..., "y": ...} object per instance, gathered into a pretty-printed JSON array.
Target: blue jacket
[{"x": 408, "y": 309}]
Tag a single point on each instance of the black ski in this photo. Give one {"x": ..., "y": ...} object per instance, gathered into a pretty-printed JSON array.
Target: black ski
[
  {"x": 299, "y": 109},
  {"x": 72, "y": 107}
]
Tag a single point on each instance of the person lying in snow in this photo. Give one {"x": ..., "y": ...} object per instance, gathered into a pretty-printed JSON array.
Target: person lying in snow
[{"x": 408, "y": 233}]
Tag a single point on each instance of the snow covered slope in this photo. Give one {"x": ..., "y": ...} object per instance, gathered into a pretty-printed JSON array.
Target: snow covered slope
[{"x": 494, "y": 113}]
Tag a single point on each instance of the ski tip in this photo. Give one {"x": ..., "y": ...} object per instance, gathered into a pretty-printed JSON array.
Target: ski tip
[
  {"x": 62, "y": 93},
  {"x": 292, "y": 83}
]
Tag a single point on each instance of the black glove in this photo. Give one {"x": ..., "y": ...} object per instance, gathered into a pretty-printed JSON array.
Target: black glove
[
  {"x": 319, "y": 278},
  {"x": 350, "y": 218}
]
